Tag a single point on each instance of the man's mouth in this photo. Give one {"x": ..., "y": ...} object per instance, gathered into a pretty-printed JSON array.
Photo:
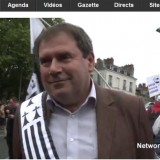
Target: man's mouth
[{"x": 58, "y": 81}]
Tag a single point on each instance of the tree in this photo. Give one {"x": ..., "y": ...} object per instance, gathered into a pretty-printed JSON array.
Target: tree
[
  {"x": 15, "y": 58},
  {"x": 53, "y": 21}
]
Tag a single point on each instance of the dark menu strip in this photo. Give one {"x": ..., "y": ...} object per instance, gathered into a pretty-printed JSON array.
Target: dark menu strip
[{"x": 79, "y": 5}]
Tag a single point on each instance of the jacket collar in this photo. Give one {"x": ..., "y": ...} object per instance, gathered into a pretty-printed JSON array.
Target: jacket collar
[{"x": 106, "y": 120}]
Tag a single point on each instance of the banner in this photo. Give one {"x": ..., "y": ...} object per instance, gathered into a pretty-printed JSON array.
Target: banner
[
  {"x": 36, "y": 27},
  {"x": 153, "y": 83}
]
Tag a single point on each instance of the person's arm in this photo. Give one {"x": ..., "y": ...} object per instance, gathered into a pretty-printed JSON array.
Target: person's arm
[{"x": 17, "y": 146}]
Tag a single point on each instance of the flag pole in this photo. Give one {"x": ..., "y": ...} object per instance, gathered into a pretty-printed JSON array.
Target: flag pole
[
  {"x": 102, "y": 78},
  {"x": 20, "y": 86},
  {"x": 46, "y": 23}
]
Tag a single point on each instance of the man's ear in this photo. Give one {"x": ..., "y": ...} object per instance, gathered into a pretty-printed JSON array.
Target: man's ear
[{"x": 91, "y": 62}]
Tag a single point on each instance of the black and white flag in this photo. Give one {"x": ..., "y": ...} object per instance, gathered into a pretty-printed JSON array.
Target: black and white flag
[
  {"x": 36, "y": 27},
  {"x": 36, "y": 138},
  {"x": 33, "y": 88}
]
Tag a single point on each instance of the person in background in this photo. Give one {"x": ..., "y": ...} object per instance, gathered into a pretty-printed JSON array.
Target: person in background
[
  {"x": 2, "y": 116},
  {"x": 10, "y": 110},
  {"x": 154, "y": 118},
  {"x": 74, "y": 118},
  {"x": 153, "y": 112}
]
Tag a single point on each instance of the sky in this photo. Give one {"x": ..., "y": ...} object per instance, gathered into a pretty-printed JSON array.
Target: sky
[{"x": 128, "y": 37}]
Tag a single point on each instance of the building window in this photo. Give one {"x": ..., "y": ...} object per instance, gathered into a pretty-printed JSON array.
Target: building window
[
  {"x": 115, "y": 69},
  {"x": 98, "y": 79},
  {"x": 122, "y": 71},
  {"x": 117, "y": 82},
  {"x": 110, "y": 80},
  {"x": 125, "y": 72},
  {"x": 124, "y": 84},
  {"x": 130, "y": 86}
]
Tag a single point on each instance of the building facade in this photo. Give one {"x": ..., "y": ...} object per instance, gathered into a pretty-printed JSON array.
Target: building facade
[
  {"x": 142, "y": 92},
  {"x": 118, "y": 78}
]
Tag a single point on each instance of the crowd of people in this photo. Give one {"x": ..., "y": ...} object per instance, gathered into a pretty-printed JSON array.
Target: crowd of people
[{"x": 7, "y": 114}]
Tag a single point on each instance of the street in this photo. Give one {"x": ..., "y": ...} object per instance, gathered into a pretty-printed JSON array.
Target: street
[{"x": 3, "y": 146}]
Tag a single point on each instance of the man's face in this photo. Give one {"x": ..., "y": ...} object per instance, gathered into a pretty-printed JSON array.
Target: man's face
[
  {"x": 13, "y": 103},
  {"x": 65, "y": 73}
]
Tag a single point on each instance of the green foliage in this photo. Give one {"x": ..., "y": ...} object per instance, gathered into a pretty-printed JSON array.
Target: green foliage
[
  {"x": 15, "y": 59},
  {"x": 53, "y": 21}
]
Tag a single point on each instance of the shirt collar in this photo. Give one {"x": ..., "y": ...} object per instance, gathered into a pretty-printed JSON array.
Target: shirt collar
[{"x": 91, "y": 96}]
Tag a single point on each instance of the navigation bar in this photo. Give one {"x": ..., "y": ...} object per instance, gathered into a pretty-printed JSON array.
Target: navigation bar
[{"x": 79, "y": 5}]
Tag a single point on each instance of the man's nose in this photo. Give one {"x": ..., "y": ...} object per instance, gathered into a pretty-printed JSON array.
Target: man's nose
[{"x": 55, "y": 67}]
